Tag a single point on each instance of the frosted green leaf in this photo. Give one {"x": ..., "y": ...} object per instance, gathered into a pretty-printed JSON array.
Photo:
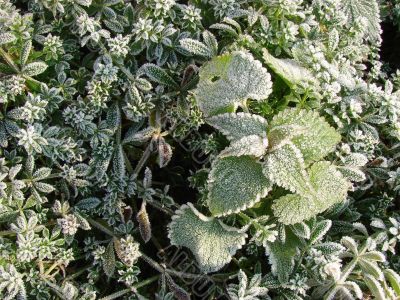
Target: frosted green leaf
[
  {"x": 293, "y": 208},
  {"x": 375, "y": 287},
  {"x": 352, "y": 173},
  {"x": 229, "y": 80},
  {"x": 367, "y": 9},
  {"x": 369, "y": 267},
  {"x": 235, "y": 184},
  {"x": 34, "y": 68},
  {"x": 320, "y": 229},
  {"x": 88, "y": 203},
  {"x": 212, "y": 242},
  {"x": 25, "y": 51},
  {"x": 319, "y": 137},
  {"x": 236, "y": 126},
  {"x": 109, "y": 260},
  {"x": 6, "y": 38},
  {"x": 288, "y": 69},
  {"x": 252, "y": 145},
  {"x": 394, "y": 279},
  {"x": 281, "y": 135},
  {"x": 157, "y": 74},
  {"x": 211, "y": 42},
  {"x": 330, "y": 186},
  {"x": 195, "y": 47},
  {"x": 282, "y": 256},
  {"x": 285, "y": 167}
]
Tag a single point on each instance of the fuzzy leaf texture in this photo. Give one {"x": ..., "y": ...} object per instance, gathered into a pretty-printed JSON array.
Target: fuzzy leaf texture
[
  {"x": 285, "y": 167},
  {"x": 282, "y": 256},
  {"x": 330, "y": 186},
  {"x": 368, "y": 9},
  {"x": 235, "y": 184},
  {"x": 289, "y": 70},
  {"x": 252, "y": 145},
  {"x": 212, "y": 242},
  {"x": 34, "y": 68},
  {"x": 318, "y": 138},
  {"x": 237, "y": 126},
  {"x": 229, "y": 80}
]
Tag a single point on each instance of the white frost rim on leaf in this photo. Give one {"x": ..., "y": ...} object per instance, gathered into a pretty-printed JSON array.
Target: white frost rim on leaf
[
  {"x": 236, "y": 115},
  {"x": 212, "y": 179}
]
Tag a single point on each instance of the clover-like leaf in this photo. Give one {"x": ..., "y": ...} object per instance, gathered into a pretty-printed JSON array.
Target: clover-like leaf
[
  {"x": 318, "y": 138},
  {"x": 212, "y": 242},
  {"x": 229, "y": 80},
  {"x": 289, "y": 70},
  {"x": 235, "y": 184},
  {"x": 330, "y": 186},
  {"x": 237, "y": 126},
  {"x": 253, "y": 145},
  {"x": 285, "y": 167}
]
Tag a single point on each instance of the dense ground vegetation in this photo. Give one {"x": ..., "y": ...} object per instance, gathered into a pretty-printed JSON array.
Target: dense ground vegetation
[{"x": 206, "y": 149}]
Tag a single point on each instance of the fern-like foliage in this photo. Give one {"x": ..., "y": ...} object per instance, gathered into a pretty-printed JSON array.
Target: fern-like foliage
[
  {"x": 366, "y": 9},
  {"x": 212, "y": 242}
]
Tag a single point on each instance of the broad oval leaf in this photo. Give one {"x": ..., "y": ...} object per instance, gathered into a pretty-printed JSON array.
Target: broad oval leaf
[
  {"x": 285, "y": 167},
  {"x": 235, "y": 184},
  {"x": 212, "y": 242},
  {"x": 330, "y": 186},
  {"x": 157, "y": 74},
  {"x": 237, "y": 126},
  {"x": 195, "y": 47},
  {"x": 229, "y": 80},
  {"x": 252, "y": 145},
  {"x": 34, "y": 68},
  {"x": 289, "y": 70},
  {"x": 318, "y": 139}
]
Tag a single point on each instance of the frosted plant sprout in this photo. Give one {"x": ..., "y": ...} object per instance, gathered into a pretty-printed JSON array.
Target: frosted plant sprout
[{"x": 151, "y": 147}]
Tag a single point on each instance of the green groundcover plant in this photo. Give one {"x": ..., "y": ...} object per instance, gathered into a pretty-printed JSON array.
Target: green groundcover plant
[{"x": 205, "y": 149}]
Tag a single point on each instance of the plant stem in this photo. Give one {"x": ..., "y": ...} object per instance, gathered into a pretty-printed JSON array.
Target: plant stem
[
  {"x": 143, "y": 159},
  {"x": 132, "y": 289},
  {"x": 101, "y": 227}
]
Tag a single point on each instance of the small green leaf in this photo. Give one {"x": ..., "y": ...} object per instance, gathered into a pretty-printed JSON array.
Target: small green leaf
[
  {"x": 109, "y": 260},
  {"x": 229, "y": 80},
  {"x": 252, "y": 145},
  {"x": 237, "y": 126},
  {"x": 319, "y": 230},
  {"x": 235, "y": 184},
  {"x": 25, "y": 51},
  {"x": 282, "y": 256},
  {"x": 88, "y": 203},
  {"x": 212, "y": 242},
  {"x": 6, "y": 38},
  {"x": 156, "y": 74},
  {"x": 394, "y": 280},
  {"x": 367, "y": 9},
  {"x": 330, "y": 188},
  {"x": 195, "y": 47},
  {"x": 34, "y": 68}
]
